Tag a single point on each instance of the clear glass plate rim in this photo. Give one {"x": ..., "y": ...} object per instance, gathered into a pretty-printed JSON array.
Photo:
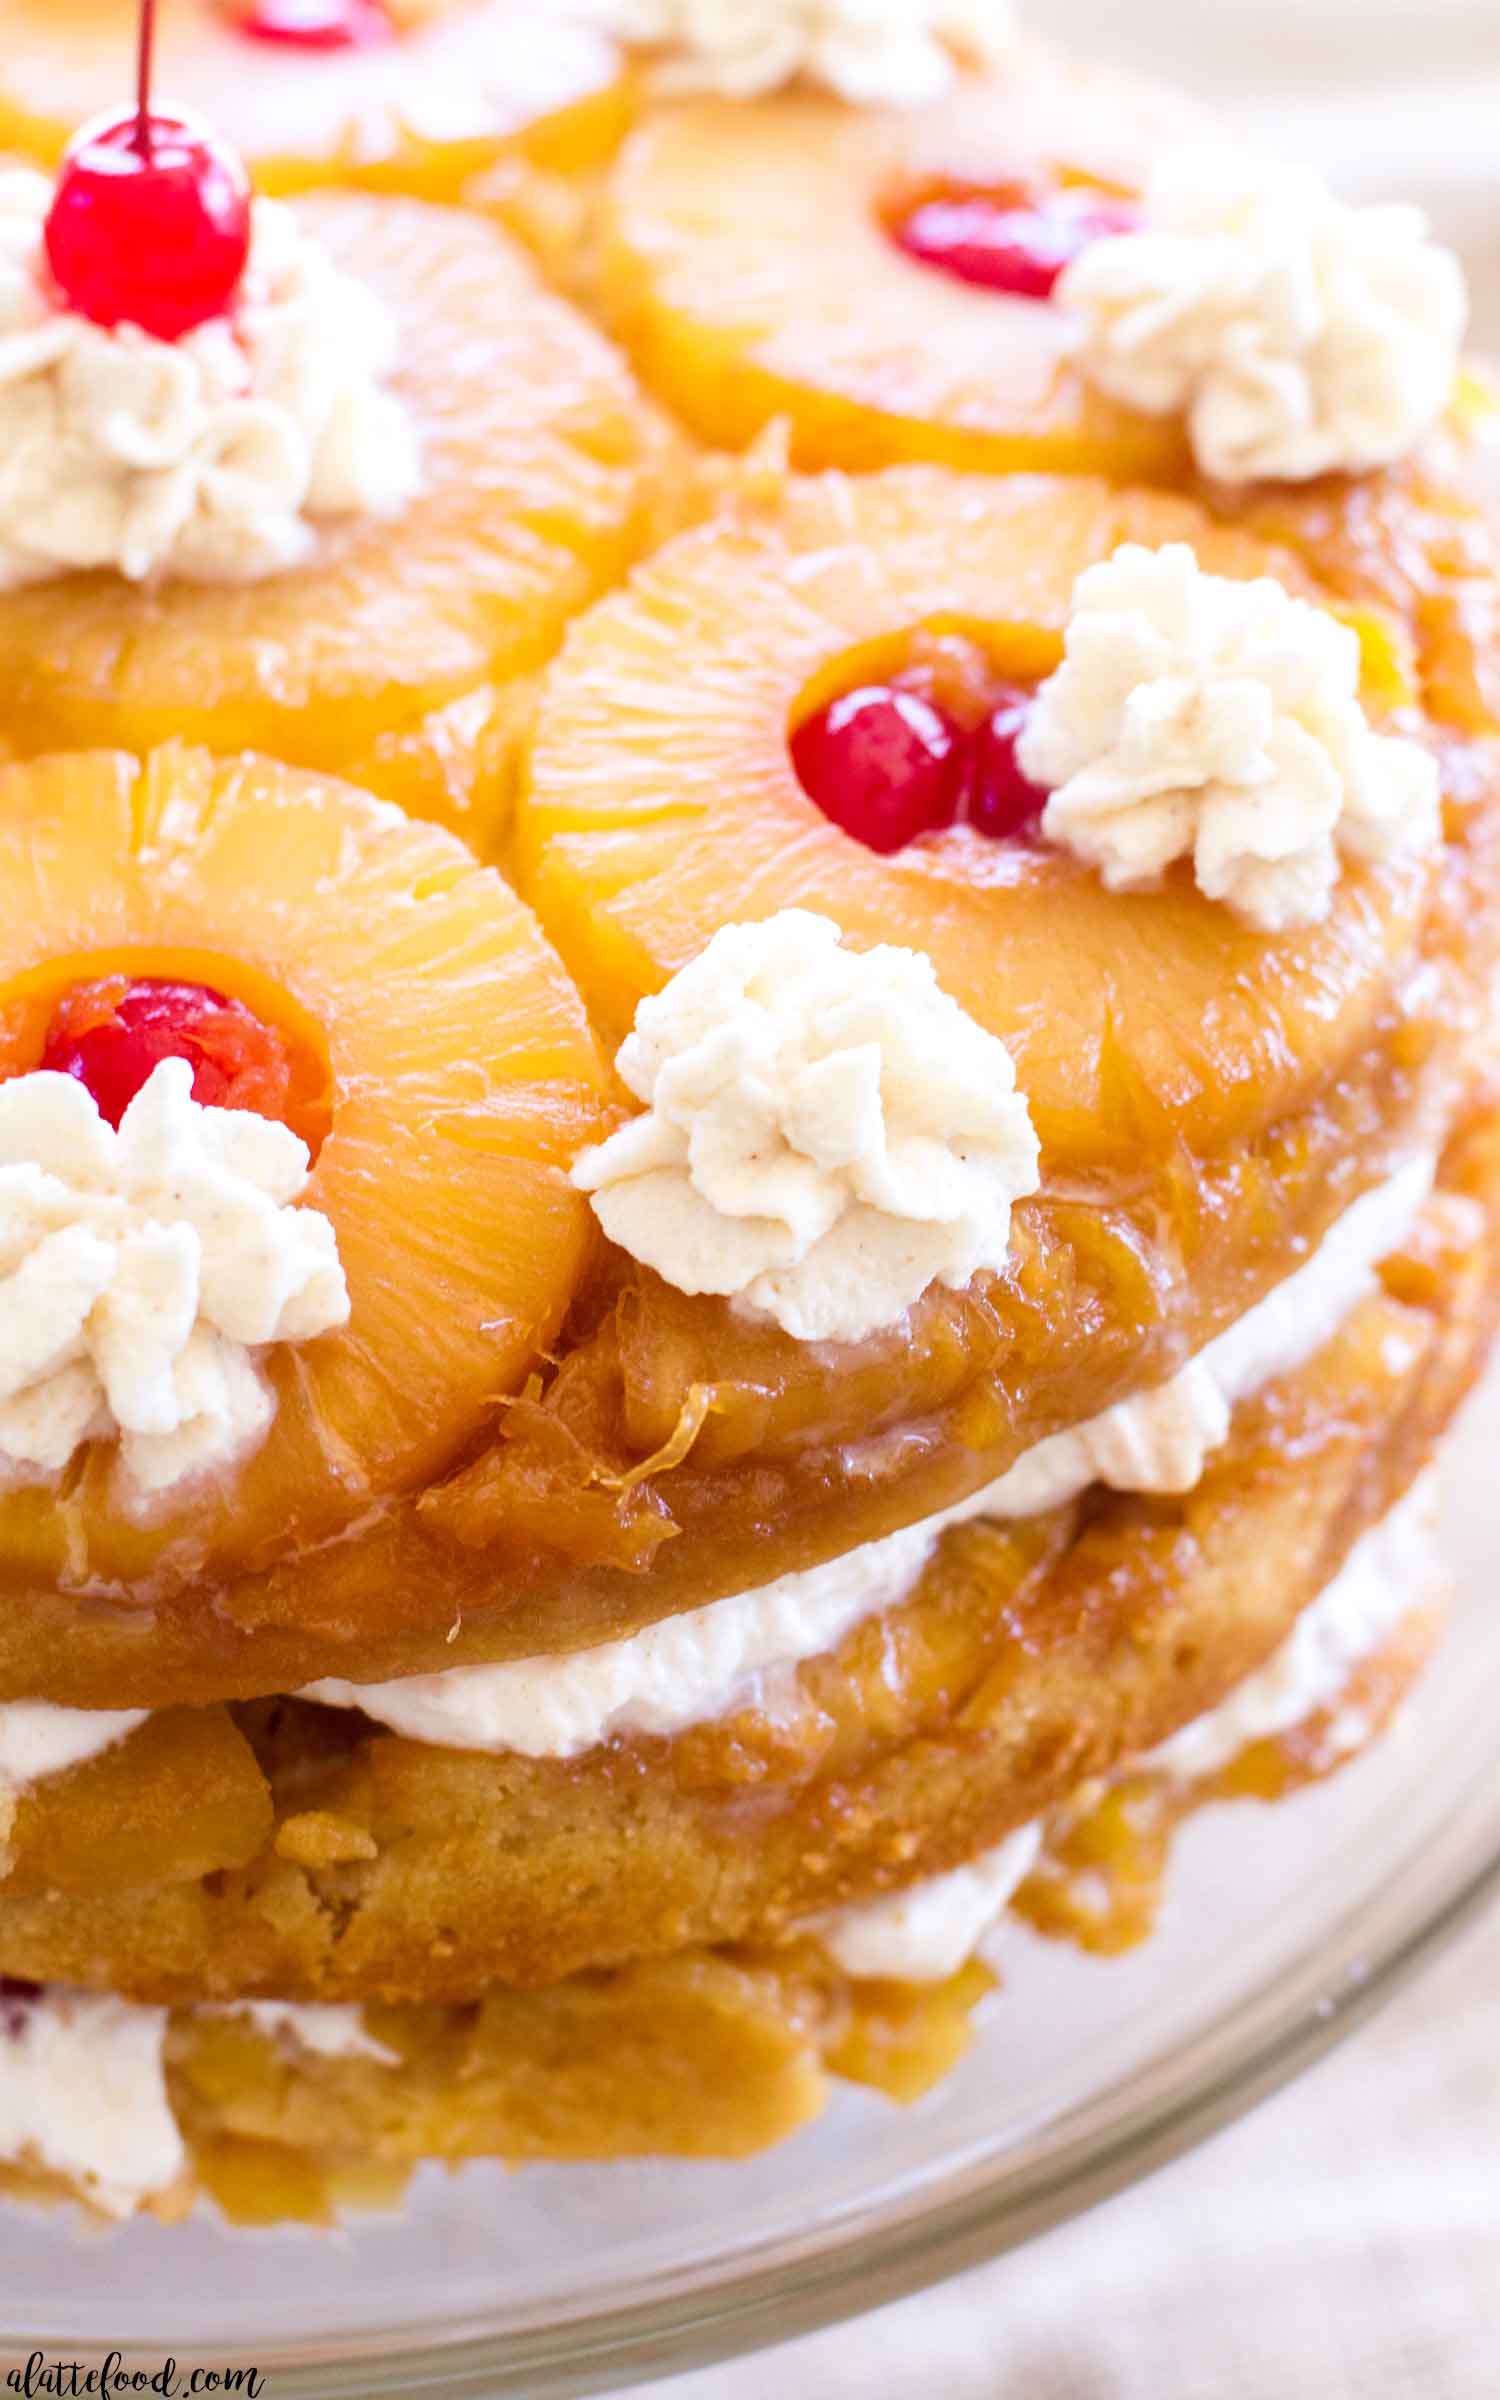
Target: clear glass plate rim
[
  {"x": 983, "y": 2208},
  {"x": 988, "y": 2214}
]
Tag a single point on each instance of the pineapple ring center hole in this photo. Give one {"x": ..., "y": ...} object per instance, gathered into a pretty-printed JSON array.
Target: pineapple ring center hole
[
  {"x": 251, "y": 1045},
  {"x": 1013, "y": 237},
  {"x": 960, "y": 667},
  {"x": 903, "y": 740}
]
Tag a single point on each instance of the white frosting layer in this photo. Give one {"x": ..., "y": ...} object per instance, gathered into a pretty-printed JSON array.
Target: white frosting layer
[
  {"x": 214, "y": 457},
  {"x": 826, "y": 1134},
  {"x": 38, "y": 1740},
  {"x": 144, "y": 1272},
  {"x": 1298, "y": 335},
  {"x": 693, "y": 1668},
  {"x": 1389, "y": 1574},
  {"x": 871, "y": 52},
  {"x": 1197, "y": 717},
  {"x": 83, "y": 2093},
  {"x": 685, "y": 1671},
  {"x": 325, "y": 2032},
  {"x": 925, "y": 1934}
]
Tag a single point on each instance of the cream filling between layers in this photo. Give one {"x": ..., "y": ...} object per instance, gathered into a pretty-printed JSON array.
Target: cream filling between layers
[
  {"x": 695, "y": 1668},
  {"x": 82, "y": 2082},
  {"x": 926, "y": 1933},
  {"x": 702, "y": 1665},
  {"x": 83, "y": 2096},
  {"x": 83, "y": 2090}
]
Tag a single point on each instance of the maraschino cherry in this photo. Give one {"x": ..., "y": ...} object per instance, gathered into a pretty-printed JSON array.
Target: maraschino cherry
[
  {"x": 884, "y": 764},
  {"x": 889, "y": 764},
  {"x": 111, "y": 1036},
  {"x": 150, "y": 221},
  {"x": 1002, "y": 800},
  {"x": 1018, "y": 244},
  {"x": 317, "y": 24}
]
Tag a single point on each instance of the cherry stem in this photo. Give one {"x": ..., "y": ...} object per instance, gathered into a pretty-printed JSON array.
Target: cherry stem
[{"x": 144, "y": 49}]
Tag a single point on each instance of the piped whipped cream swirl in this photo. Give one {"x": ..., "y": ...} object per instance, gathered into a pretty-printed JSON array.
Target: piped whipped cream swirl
[
  {"x": 143, "y": 1275},
  {"x": 215, "y": 458},
  {"x": 38, "y": 1740},
  {"x": 1296, "y": 334},
  {"x": 1197, "y": 717},
  {"x": 871, "y": 52},
  {"x": 826, "y": 1134}
]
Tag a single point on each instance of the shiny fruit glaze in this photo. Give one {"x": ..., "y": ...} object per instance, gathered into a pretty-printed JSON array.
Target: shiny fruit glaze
[
  {"x": 1016, "y": 243},
  {"x": 317, "y": 24},
  {"x": 885, "y": 764},
  {"x": 890, "y": 762},
  {"x": 110, "y": 1036}
]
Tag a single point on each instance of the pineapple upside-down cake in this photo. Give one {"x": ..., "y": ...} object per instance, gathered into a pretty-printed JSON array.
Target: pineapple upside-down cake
[{"x": 747, "y": 1146}]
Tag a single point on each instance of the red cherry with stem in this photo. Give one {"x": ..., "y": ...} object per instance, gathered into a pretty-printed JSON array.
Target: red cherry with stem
[
  {"x": 318, "y": 24},
  {"x": 1018, "y": 245},
  {"x": 884, "y": 764},
  {"x": 1003, "y": 802},
  {"x": 111, "y": 1037},
  {"x": 150, "y": 220},
  {"x": 154, "y": 238}
]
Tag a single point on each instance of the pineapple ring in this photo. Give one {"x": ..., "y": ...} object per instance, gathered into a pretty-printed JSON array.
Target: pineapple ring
[
  {"x": 541, "y": 467},
  {"x": 735, "y": 316},
  {"x": 462, "y": 87},
  {"x": 1027, "y": 1658},
  {"x": 738, "y": 629},
  {"x": 735, "y": 319},
  {"x": 463, "y": 1080},
  {"x": 1192, "y": 1151}
]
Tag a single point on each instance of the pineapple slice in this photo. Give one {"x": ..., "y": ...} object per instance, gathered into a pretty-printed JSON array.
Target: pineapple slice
[
  {"x": 179, "y": 1798},
  {"x": 748, "y": 264},
  {"x": 459, "y": 88},
  {"x": 662, "y": 801},
  {"x": 870, "y": 357},
  {"x": 541, "y": 468},
  {"x": 461, "y": 1077}
]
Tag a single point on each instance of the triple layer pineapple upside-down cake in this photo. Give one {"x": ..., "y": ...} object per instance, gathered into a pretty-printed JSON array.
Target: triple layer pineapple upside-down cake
[{"x": 748, "y": 1144}]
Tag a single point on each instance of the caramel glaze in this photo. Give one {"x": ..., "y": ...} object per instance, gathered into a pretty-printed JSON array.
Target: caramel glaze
[
  {"x": 678, "y": 1455},
  {"x": 1028, "y": 1659},
  {"x": 1102, "y": 1874},
  {"x": 1420, "y": 540},
  {"x": 675, "y": 1454}
]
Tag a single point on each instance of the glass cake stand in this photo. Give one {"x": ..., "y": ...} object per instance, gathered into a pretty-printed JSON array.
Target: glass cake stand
[{"x": 1285, "y": 1928}]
